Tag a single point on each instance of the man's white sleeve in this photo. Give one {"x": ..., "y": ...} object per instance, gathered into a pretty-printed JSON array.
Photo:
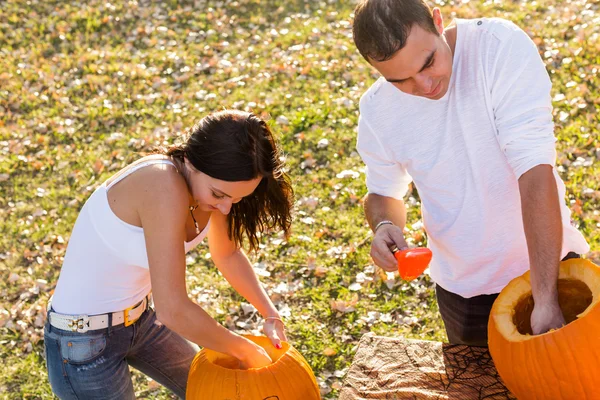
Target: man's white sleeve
[
  {"x": 385, "y": 176},
  {"x": 520, "y": 93}
]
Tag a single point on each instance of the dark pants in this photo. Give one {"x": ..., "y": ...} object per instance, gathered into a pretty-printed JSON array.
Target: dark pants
[{"x": 466, "y": 320}]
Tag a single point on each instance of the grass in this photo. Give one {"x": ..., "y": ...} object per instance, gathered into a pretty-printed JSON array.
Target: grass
[{"x": 86, "y": 88}]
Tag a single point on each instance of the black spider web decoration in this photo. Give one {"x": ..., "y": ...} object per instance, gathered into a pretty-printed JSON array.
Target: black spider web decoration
[{"x": 473, "y": 367}]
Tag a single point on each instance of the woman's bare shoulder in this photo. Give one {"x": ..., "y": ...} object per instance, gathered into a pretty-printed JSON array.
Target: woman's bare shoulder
[
  {"x": 135, "y": 164},
  {"x": 159, "y": 186},
  {"x": 163, "y": 179}
]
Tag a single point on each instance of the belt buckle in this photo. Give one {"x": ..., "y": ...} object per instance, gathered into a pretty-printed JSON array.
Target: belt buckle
[
  {"x": 128, "y": 321},
  {"x": 126, "y": 316},
  {"x": 79, "y": 324}
]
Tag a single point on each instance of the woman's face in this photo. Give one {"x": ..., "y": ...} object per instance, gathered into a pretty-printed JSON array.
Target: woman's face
[{"x": 212, "y": 194}]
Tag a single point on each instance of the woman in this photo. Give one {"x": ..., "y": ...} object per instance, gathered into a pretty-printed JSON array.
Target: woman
[{"x": 225, "y": 182}]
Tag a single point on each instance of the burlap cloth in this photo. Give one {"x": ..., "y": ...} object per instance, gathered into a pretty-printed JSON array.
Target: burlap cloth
[{"x": 397, "y": 368}]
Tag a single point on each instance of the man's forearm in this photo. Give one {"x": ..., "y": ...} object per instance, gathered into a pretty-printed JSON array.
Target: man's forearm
[
  {"x": 380, "y": 208},
  {"x": 543, "y": 230}
]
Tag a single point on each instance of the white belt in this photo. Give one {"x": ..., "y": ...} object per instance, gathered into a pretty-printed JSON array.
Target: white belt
[{"x": 84, "y": 323}]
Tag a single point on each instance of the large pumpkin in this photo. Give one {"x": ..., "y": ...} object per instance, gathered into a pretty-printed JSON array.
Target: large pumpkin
[
  {"x": 563, "y": 363},
  {"x": 215, "y": 376}
]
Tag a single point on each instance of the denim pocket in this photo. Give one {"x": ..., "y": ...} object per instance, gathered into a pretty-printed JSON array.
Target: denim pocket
[{"x": 82, "y": 349}]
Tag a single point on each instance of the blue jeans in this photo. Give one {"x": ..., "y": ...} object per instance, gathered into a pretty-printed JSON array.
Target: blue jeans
[{"x": 95, "y": 364}]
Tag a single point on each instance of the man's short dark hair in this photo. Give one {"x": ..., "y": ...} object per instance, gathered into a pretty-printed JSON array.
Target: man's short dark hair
[{"x": 381, "y": 27}]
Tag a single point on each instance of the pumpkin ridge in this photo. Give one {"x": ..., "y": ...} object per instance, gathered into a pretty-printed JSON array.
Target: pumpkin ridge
[
  {"x": 526, "y": 360},
  {"x": 272, "y": 374},
  {"x": 294, "y": 370},
  {"x": 553, "y": 382},
  {"x": 594, "y": 326},
  {"x": 308, "y": 374},
  {"x": 572, "y": 385},
  {"x": 547, "y": 361},
  {"x": 581, "y": 371},
  {"x": 531, "y": 368},
  {"x": 560, "y": 341}
]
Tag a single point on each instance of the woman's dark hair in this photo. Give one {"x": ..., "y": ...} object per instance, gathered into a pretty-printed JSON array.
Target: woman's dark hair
[
  {"x": 381, "y": 27},
  {"x": 237, "y": 146}
]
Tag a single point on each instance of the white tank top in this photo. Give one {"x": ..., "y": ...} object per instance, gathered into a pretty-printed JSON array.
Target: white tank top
[{"x": 106, "y": 265}]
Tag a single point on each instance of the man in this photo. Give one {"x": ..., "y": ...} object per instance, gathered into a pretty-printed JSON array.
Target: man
[{"x": 464, "y": 112}]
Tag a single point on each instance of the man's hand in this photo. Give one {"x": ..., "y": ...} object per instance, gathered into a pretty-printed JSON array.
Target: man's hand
[
  {"x": 546, "y": 316},
  {"x": 387, "y": 237}
]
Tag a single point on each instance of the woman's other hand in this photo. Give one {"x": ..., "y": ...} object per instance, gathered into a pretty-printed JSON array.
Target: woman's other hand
[
  {"x": 275, "y": 331},
  {"x": 253, "y": 356}
]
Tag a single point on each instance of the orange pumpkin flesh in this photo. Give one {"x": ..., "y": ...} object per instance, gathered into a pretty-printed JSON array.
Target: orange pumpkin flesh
[
  {"x": 560, "y": 364},
  {"x": 412, "y": 262},
  {"x": 217, "y": 376}
]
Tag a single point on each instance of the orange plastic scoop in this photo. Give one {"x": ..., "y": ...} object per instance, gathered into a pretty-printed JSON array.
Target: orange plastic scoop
[{"x": 412, "y": 262}]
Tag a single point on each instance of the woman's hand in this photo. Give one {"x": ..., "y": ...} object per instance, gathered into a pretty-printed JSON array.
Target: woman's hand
[
  {"x": 253, "y": 356},
  {"x": 275, "y": 330}
]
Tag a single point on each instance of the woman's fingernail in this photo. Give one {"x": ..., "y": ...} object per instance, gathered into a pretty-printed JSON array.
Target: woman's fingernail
[{"x": 278, "y": 346}]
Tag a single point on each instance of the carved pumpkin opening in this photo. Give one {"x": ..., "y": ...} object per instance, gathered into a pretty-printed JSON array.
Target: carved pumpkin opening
[
  {"x": 574, "y": 297},
  {"x": 579, "y": 293},
  {"x": 229, "y": 362}
]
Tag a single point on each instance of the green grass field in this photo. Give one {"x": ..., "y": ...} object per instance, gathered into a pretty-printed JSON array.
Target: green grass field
[{"x": 87, "y": 87}]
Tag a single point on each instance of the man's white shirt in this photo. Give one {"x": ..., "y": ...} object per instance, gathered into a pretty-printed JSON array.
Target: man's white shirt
[{"x": 465, "y": 153}]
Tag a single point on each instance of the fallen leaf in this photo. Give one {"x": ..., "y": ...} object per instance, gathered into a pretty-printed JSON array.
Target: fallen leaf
[{"x": 329, "y": 352}]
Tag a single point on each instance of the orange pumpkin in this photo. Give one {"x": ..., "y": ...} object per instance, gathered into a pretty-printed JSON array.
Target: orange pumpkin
[
  {"x": 560, "y": 364},
  {"x": 215, "y": 376}
]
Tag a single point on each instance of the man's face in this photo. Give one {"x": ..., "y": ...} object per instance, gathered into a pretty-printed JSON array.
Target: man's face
[{"x": 423, "y": 67}]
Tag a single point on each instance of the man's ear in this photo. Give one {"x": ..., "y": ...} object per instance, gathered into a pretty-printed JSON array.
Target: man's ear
[{"x": 438, "y": 21}]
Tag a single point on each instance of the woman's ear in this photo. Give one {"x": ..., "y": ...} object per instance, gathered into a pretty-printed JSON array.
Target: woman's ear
[{"x": 438, "y": 21}]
